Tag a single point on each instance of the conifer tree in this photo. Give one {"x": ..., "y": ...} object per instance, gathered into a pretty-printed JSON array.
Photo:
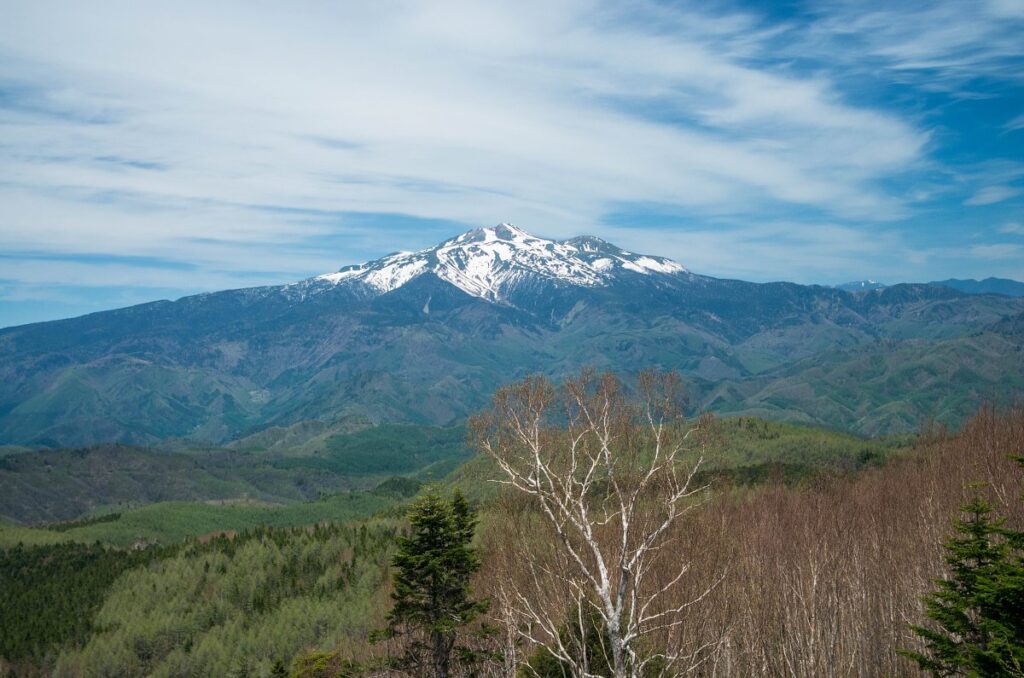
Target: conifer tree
[
  {"x": 979, "y": 609},
  {"x": 432, "y": 597}
]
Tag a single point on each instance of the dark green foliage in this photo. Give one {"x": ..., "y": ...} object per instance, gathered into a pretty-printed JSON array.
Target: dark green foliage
[
  {"x": 49, "y": 594},
  {"x": 585, "y": 638},
  {"x": 325, "y": 665},
  {"x": 432, "y": 598},
  {"x": 398, "y": 487},
  {"x": 979, "y": 610},
  {"x": 384, "y": 449},
  {"x": 61, "y": 485},
  {"x": 82, "y": 522}
]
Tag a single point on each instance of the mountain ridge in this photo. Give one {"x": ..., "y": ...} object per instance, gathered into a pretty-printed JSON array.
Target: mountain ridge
[
  {"x": 223, "y": 365},
  {"x": 491, "y": 263}
]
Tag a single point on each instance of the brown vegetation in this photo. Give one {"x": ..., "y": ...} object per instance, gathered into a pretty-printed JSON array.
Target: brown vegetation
[
  {"x": 609, "y": 478},
  {"x": 815, "y": 581}
]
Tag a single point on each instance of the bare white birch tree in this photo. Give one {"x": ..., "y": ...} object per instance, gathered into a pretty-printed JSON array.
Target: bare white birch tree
[{"x": 607, "y": 474}]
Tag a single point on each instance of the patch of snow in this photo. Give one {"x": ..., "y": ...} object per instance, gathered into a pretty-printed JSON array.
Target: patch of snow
[
  {"x": 659, "y": 266},
  {"x": 488, "y": 262}
]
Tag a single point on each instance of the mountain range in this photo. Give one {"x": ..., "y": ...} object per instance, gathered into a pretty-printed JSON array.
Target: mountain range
[
  {"x": 1011, "y": 288},
  {"x": 426, "y": 336},
  {"x": 1005, "y": 286}
]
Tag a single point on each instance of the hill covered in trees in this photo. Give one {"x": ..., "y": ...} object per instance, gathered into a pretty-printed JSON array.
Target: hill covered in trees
[
  {"x": 60, "y": 485},
  {"x": 819, "y": 547}
]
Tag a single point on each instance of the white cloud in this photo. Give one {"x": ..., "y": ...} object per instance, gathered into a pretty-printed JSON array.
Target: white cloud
[
  {"x": 1012, "y": 228},
  {"x": 539, "y": 113},
  {"x": 939, "y": 45},
  {"x": 992, "y": 194},
  {"x": 998, "y": 251},
  {"x": 237, "y": 136},
  {"x": 1015, "y": 124},
  {"x": 774, "y": 250}
]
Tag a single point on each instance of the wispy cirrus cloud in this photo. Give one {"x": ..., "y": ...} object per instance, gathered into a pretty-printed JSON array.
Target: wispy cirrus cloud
[
  {"x": 263, "y": 143},
  {"x": 992, "y": 194},
  {"x": 945, "y": 45}
]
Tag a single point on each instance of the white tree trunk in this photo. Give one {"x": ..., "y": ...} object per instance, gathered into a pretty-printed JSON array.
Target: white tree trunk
[{"x": 607, "y": 475}]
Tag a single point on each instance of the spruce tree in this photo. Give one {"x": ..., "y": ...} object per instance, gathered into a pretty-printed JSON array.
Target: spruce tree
[
  {"x": 432, "y": 597},
  {"x": 979, "y": 610}
]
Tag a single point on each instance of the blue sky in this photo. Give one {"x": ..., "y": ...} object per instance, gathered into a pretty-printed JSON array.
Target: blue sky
[{"x": 152, "y": 150}]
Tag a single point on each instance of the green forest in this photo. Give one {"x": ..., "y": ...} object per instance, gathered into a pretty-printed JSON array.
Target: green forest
[{"x": 793, "y": 538}]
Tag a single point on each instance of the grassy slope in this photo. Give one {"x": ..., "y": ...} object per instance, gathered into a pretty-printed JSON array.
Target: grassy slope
[{"x": 12, "y": 535}]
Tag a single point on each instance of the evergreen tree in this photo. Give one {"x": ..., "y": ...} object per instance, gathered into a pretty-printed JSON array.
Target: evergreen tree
[
  {"x": 979, "y": 609},
  {"x": 278, "y": 670},
  {"x": 432, "y": 595}
]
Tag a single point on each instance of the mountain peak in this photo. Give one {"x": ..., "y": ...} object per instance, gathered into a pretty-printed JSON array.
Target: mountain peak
[
  {"x": 492, "y": 262},
  {"x": 502, "y": 231}
]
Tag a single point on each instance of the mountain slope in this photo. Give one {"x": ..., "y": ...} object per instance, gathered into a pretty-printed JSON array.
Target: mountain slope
[
  {"x": 426, "y": 337},
  {"x": 860, "y": 286},
  {"x": 496, "y": 263},
  {"x": 1011, "y": 288}
]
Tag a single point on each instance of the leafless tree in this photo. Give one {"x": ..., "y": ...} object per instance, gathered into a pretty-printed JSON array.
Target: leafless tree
[{"x": 607, "y": 472}]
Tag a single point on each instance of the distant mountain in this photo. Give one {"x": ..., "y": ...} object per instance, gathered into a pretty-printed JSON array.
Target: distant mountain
[
  {"x": 860, "y": 286},
  {"x": 425, "y": 337},
  {"x": 502, "y": 264},
  {"x": 1011, "y": 288}
]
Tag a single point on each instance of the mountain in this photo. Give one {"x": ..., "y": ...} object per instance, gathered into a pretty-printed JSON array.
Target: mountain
[
  {"x": 503, "y": 264},
  {"x": 860, "y": 286},
  {"x": 1005, "y": 286},
  {"x": 1011, "y": 288},
  {"x": 425, "y": 337}
]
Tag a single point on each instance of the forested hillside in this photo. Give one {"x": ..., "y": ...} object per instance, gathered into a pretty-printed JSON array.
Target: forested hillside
[
  {"x": 808, "y": 536},
  {"x": 60, "y": 485}
]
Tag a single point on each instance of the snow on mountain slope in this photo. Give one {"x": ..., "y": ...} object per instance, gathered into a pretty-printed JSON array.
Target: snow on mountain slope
[{"x": 489, "y": 262}]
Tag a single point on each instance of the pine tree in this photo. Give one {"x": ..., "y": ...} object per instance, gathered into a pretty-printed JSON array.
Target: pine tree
[
  {"x": 979, "y": 609},
  {"x": 432, "y": 597}
]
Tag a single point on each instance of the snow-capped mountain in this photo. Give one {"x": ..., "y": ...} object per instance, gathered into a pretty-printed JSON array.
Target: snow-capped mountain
[
  {"x": 428, "y": 336},
  {"x": 490, "y": 263}
]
